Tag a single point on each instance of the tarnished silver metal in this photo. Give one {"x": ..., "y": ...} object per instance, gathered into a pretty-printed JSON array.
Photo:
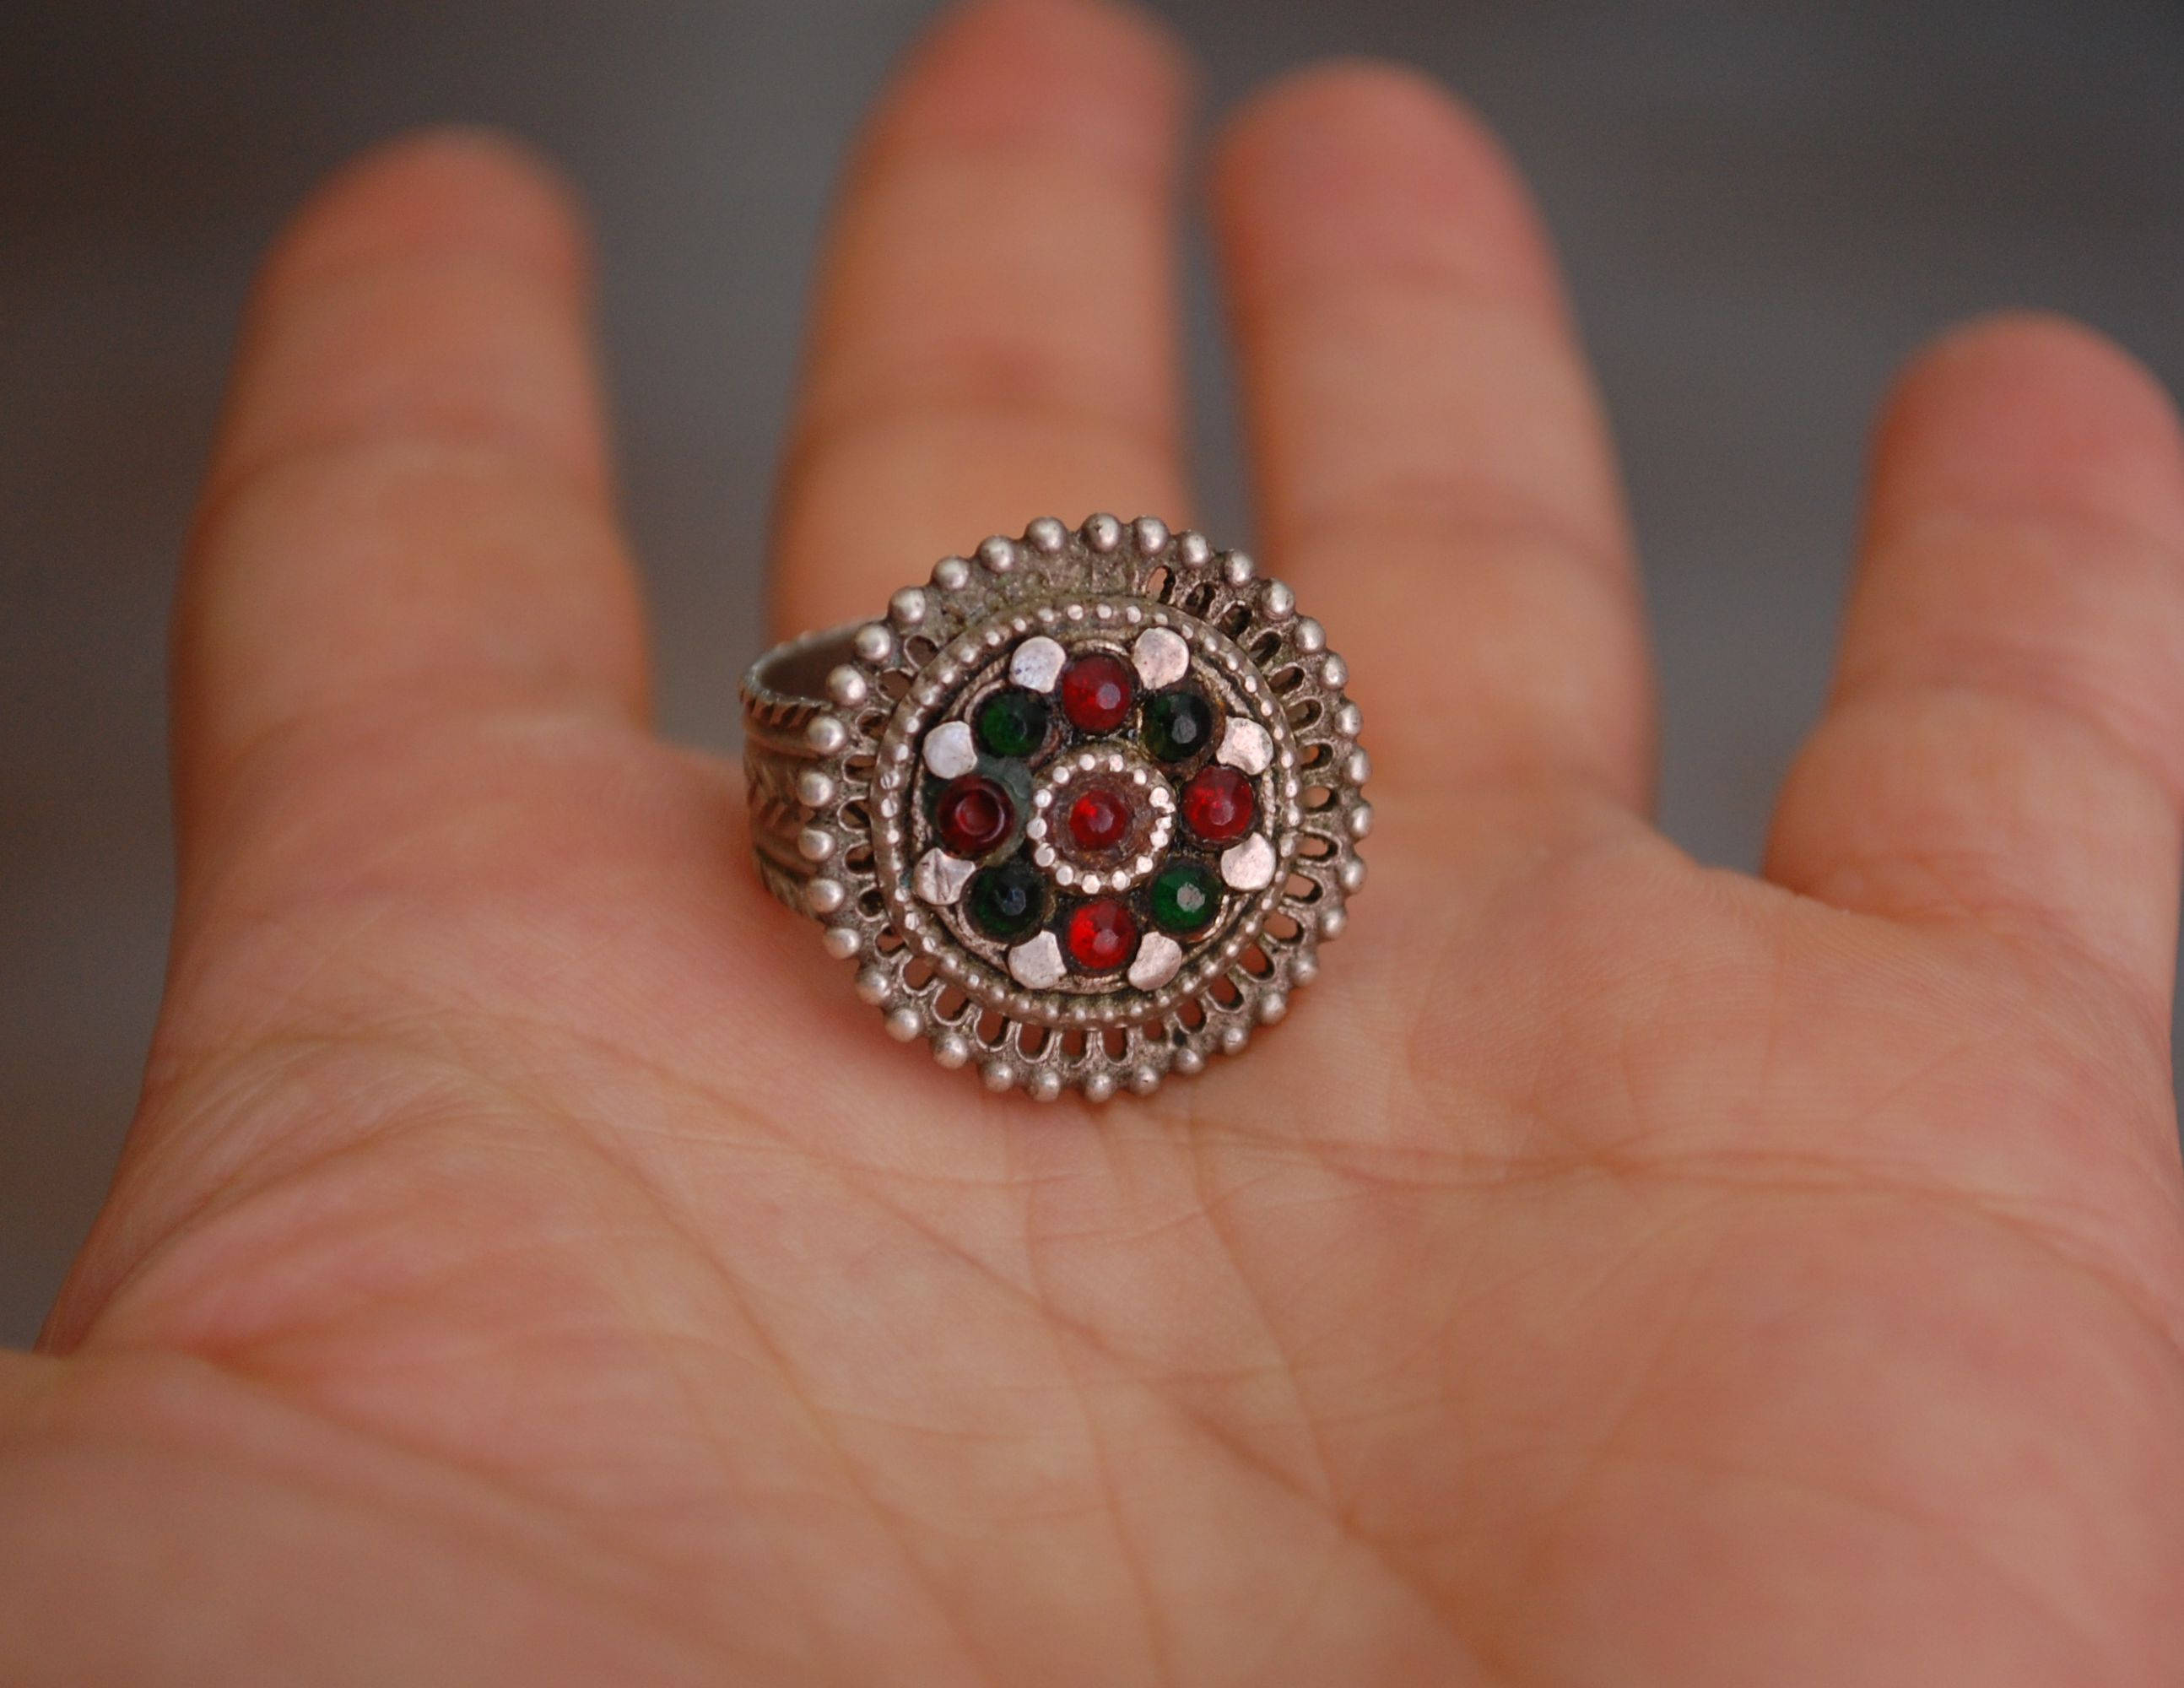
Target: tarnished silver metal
[{"x": 851, "y": 737}]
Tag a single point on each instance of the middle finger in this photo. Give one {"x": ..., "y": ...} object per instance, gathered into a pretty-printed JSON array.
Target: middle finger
[{"x": 995, "y": 335}]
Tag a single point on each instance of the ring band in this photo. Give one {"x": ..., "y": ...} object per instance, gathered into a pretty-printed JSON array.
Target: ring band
[{"x": 1082, "y": 809}]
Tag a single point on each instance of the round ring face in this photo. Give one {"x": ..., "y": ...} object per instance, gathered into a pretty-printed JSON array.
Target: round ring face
[{"x": 1094, "y": 807}]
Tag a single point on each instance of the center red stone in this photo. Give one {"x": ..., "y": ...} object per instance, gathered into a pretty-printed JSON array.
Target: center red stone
[
  {"x": 1096, "y": 691},
  {"x": 1099, "y": 819},
  {"x": 1101, "y": 935},
  {"x": 973, "y": 815}
]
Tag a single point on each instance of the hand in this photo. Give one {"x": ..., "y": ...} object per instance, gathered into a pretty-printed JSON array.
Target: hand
[{"x": 531, "y": 1265}]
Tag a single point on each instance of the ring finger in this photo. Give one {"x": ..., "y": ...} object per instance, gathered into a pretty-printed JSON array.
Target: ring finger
[{"x": 1431, "y": 457}]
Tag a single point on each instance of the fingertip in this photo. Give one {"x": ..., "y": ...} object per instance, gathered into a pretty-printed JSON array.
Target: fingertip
[
  {"x": 1377, "y": 159},
  {"x": 445, "y": 191},
  {"x": 1104, "y": 77},
  {"x": 1334, "y": 99},
  {"x": 2030, "y": 342},
  {"x": 1100, "y": 37},
  {"x": 438, "y": 282},
  {"x": 2026, "y": 411}
]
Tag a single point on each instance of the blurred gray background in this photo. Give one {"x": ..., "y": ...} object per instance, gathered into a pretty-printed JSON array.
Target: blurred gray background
[{"x": 1763, "y": 207}]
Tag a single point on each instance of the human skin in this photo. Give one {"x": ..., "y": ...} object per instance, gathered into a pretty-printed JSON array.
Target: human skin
[{"x": 529, "y": 1265}]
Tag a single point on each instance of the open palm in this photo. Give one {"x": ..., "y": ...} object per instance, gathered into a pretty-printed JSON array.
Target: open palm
[{"x": 531, "y": 1265}]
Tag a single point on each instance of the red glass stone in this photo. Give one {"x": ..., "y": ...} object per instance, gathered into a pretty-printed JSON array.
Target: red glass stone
[
  {"x": 1099, "y": 819},
  {"x": 1096, "y": 691},
  {"x": 1101, "y": 936},
  {"x": 1219, "y": 805},
  {"x": 972, "y": 816}
]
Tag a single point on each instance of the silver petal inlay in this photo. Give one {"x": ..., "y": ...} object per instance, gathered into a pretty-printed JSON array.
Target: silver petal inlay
[
  {"x": 1037, "y": 664},
  {"x": 949, "y": 749},
  {"x": 1249, "y": 866},
  {"x": 940, "y": 877},
  {"x": 1160, "y": 958},
  {"x": 1036, "y": 964},
  {"x": 1160, "y": 658},
  {"x": 1246, "y": 745}
]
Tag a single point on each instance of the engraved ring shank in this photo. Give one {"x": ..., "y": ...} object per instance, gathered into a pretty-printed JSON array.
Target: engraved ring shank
[{"x": 783, "y": 693}]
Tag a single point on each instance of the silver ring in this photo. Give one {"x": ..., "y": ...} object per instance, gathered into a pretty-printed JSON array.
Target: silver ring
[{"x": 1080, "y": 810}]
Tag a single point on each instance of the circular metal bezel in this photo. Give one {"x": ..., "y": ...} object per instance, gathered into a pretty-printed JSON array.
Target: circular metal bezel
[{"x": 1099, "y": 586}]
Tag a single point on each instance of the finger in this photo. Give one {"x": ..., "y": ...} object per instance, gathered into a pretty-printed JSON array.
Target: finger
[
  {"x": 994, "y": 337},
  {"x": 2005, "y": 742},
  {"x": 408, "y": 512},
  {"x": 1430, "y": 459}
]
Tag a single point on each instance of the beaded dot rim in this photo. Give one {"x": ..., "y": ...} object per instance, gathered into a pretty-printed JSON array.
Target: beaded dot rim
[{"x": 901, "y": 728}]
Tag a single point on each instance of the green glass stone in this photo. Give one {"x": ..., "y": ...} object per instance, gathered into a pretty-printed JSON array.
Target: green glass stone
[
  {"x": 1185, "y": 896},
  {"x": 1012, "y": 723},
  {"x": 1007, "y": 899},
  {"x": 1178, "y": 724}
]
